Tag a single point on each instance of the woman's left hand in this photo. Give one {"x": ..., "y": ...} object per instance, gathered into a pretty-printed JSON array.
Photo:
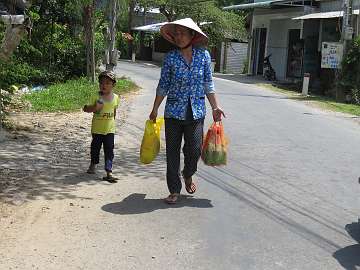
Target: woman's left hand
[{"x": 217, "y": 114}]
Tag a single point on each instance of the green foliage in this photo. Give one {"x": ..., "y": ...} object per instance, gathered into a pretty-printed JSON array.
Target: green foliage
[
  {"x": 224, "y": 24},
  {"x": 71, "y": 95},
  {"x": 350, "y": 72},
  {"x": 55, "y": 51},
  {"x": 5, "y": 101},
  {"x": 17, "y": 72}
]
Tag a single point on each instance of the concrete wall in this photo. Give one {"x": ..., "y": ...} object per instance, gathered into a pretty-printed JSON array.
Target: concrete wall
[
  {"x": 277, "y": 32},
  {"x": 278, "y": 43},
  {"x": 158, "y": 57}
]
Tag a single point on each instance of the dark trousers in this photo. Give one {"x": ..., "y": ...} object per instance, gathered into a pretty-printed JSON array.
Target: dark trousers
[
  {"x": 175, "y": 130},
  {"x": 108, "y": 141}
]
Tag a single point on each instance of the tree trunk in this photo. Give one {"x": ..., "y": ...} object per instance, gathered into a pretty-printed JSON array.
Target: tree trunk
[
  {"x": 130, "y": 24},
  {"x": 112, "y": 51},
  {"x": 11, "y": 40},
  {"x": 142, "y": 38},
  {"x": 89, "y": 38},
  {"x": 13, "y": 35}
]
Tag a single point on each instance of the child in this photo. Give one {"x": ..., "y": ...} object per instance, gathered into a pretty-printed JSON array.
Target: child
[{"x": 103, "y": 105}]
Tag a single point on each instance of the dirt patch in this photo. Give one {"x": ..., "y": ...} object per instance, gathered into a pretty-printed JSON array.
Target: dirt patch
[{"x": 46, "y": 155}]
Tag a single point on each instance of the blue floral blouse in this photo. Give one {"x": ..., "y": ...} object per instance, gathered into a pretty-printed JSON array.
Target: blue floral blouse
[{"x": 186, "y": 85}]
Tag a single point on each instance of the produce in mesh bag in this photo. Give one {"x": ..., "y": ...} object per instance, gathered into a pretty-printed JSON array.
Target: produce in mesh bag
[{"x": 214, "y": 152}]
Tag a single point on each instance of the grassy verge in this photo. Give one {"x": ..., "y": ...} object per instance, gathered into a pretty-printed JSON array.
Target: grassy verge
[
  {"x": 71, "y": 95},
  {"x": 319, "y": 101}
]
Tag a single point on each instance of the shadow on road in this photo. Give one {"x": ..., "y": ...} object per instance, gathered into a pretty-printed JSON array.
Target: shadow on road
[
  {"x": 349, "y": 257},
  {"x": 137, "y": 204},
  {"x": 225, "y": 180},
  {"x": 242, "y": 78}
]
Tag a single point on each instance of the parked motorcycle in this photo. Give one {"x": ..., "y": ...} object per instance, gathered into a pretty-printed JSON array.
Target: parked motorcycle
[{"x": 269, "y": 72}]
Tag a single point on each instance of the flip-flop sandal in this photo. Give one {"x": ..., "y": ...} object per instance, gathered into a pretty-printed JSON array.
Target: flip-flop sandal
[
  {"x": 110, "y": 179},
  {"x": 189, "y": 185},
  {"x": 190, "y": 188},
  {"x": 172, "y": 199}
]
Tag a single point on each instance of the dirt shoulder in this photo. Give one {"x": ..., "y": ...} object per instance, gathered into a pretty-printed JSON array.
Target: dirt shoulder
[{"x": 46, "y": 156}]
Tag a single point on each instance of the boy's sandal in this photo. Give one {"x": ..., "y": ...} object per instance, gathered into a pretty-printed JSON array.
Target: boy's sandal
[
  {"x": 110, "y": 179},
  {"x": 91, "y": 171},
  {"x": 172, "y": 198}
]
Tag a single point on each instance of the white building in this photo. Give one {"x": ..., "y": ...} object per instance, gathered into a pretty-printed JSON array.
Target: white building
[{"x": 292, "y": 32}]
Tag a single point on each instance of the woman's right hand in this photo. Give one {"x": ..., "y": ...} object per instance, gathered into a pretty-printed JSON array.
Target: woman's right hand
[{"x": 153, "y": 115}]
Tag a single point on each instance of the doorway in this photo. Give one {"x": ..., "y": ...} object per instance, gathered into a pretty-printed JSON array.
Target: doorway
[
  {"x": 295, "y": 54},
  {"x": 258, "y": 53}
]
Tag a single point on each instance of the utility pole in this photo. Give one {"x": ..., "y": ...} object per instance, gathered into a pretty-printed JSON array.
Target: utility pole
[
  {"x": 112, "y": 53},
  {"x": 346, "y": 35},
  {"x": 347, "y": 29}
]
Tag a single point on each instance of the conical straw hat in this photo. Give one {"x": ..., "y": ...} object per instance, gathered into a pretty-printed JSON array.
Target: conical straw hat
[{"x": 167, "y": 31}]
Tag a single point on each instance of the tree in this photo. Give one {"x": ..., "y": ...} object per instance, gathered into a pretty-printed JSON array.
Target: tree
[
  {"x": 88, "y": 19},
  {"x": 221, "y": 24},
  {"x": 14, "y": 31}
]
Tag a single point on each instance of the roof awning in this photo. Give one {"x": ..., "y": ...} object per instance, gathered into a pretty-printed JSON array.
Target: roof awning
[
  {"x": 325, "y": 15},
  {"x": 263, "y": 4}
]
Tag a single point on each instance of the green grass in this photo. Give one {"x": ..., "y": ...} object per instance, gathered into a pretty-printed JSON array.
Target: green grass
[
  {"x": 319, "y": 101},
  {"x": 71, "y": 95}
]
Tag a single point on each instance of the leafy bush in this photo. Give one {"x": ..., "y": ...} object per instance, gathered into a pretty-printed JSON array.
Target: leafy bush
[
  {"x": 17, "y": 72},
  {"x": 350, "y": 73},
  {"x": 55, "y": 51}
]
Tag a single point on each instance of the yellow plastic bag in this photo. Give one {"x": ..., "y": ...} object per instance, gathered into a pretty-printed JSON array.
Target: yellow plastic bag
[{"x": 150, "y": 145}]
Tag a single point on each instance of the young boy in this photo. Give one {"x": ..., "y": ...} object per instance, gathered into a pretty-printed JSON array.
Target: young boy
[{"x": 103, "y": 105}]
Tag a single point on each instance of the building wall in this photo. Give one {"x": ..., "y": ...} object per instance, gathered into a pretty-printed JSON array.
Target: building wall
[
  {"x": 278, "y": 43},
  {"x": 158, "y": 57},
  {"x": 278, "y": 22}
]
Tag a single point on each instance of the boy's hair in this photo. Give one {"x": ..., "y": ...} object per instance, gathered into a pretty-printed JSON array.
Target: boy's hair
[{"x": 107, "y": 74}]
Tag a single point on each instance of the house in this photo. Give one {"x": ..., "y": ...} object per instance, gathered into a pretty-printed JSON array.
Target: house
[{"x": 293, "y": 32}]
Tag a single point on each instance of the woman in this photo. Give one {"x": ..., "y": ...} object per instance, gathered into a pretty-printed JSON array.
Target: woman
[{"x": 186, "y": 79}]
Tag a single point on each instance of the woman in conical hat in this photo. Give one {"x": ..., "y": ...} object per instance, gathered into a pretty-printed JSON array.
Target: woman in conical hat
[{"x": 186, "y": 79}]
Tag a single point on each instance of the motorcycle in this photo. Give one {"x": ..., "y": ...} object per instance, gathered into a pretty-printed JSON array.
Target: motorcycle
[{"x": 269, "y": 72}]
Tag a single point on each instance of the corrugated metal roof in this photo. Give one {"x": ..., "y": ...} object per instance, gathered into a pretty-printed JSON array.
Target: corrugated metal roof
[
  {"x": 325, "y": 15},
  {"x": 262, "y": 4}
]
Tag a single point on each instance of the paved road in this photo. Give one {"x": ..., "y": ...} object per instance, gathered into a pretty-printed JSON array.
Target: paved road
[{"x": 284, "y": 199}]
